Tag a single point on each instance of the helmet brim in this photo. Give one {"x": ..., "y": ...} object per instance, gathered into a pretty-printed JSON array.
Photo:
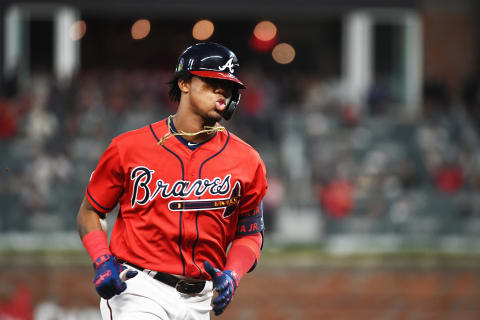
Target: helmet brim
[{"x": 218, "y": 75}]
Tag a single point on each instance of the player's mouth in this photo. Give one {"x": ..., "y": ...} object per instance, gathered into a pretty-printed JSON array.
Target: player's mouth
[{"x": 220, "y": 105}]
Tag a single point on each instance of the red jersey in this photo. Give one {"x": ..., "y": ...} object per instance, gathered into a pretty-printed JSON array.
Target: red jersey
[{"x": 178, "y": 206}]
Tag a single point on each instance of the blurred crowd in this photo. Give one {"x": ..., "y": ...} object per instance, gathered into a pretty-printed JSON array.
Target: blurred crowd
[{"x": 363, "y": 168}]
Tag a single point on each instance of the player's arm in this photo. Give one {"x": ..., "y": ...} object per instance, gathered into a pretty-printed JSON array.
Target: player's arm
[
  {"x": 88, "y": 219},
  {"x": 241, "y": 258},
  {"x": 245, "y": 248},
  {"x": 101, "y": 196},
  {"x": 109, "y": 279},
  {"x": 108, "y": 276}
]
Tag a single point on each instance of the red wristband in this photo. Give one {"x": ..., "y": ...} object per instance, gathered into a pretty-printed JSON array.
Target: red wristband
[
  {"x": 96, "y": 243},
  {"x": 243, "y": 254},
  {"x": 240, "y": 259}
]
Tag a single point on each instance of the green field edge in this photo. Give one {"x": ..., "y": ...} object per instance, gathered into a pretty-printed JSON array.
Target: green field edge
[{"x": 287, "y": 257}]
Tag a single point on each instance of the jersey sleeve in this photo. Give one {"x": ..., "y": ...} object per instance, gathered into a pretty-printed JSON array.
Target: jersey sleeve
[
  {"x": 107, "y": 181},
  {"x": 250, "y": 219}
]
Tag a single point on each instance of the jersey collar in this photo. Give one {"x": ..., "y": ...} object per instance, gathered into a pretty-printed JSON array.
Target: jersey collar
[{"x": 191, "y": 145}]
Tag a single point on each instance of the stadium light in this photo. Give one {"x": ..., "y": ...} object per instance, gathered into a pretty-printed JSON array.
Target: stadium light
[
  {"x": 265, "y": 31},
  {"x": 203, "y": 29},
  {"x": 283, "y": 53},
  {"x": 140, "y": 29},
  {"x": 264, "y": 36}
]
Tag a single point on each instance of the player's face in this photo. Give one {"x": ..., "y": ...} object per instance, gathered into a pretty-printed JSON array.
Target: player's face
[{"x": 209, "y": 97}]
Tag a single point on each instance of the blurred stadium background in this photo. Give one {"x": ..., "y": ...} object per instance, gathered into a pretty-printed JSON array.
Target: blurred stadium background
[{"x": 366, "y": 113}]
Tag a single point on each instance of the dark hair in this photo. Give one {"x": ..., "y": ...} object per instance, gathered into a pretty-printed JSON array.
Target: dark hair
[{"x": 175, "y": 93}]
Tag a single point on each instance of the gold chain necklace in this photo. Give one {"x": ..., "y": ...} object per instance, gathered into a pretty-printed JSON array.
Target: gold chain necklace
[{"x": 206, "y": 129}]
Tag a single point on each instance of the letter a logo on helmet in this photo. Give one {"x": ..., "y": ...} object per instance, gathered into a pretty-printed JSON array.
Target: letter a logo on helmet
[{"x": 228, "y": 65}]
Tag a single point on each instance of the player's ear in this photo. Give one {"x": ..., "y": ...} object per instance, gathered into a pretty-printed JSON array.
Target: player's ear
[{"x": 184, "y": 85}]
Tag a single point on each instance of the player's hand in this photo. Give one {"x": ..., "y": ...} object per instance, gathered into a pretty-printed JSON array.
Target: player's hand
[
  {"x": 110, "y": 276},
  {"x": 225, "y": 284}
]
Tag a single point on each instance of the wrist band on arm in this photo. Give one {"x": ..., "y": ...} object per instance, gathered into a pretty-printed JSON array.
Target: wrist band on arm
[
  {"x": 96, "y": 243},
  {"x": 243, "y": 254}
]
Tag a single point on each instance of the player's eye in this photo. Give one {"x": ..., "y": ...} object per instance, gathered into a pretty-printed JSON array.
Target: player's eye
[{"x": 218, "y": 84}]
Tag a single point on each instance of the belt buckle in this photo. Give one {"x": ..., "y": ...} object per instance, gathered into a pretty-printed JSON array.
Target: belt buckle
[
  {"x": 186, "y": 286},
  {"x": 179, "y": 286}
]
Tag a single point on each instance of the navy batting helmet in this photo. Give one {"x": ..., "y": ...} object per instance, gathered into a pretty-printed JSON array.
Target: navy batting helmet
[{"x": 212, "y": 60}]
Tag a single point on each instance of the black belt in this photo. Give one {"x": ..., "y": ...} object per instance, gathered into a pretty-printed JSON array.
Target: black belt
[{"x": 182, "y": 285}]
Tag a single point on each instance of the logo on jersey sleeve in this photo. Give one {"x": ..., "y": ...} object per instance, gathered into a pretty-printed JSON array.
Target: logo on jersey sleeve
[{"x": 143, "y": 192}]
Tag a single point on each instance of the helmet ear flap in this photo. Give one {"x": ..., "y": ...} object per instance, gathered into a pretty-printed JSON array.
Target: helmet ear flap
[{"x": 232, "y": 105}]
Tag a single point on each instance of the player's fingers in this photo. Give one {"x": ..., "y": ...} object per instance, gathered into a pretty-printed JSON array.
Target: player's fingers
[
  {"x": 122, "y": 288},
  {"x": 223, "y": 296},
  {"x": 210, "y": 269},
  {"x": 106, "y": 295},
  {"x": 218, "y": 300},
  {"x": 127, "y": 274},
  {"x": 101, "y": 293},
  {"x": 123, "y": 275},
  {"x": 106, "y": 291},
  {"x": 218, "y": 312},
  {"x": 219, "y": 308},
  {"x": 118, "y": 285},
  {"x": 222, "y": 284}
]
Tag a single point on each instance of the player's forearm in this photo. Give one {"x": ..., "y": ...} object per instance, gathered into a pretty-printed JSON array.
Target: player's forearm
[
  {"x": 87, "y": 219},
  {"x": 243, "y": 254},
  {"x": 90, "y": 230}
]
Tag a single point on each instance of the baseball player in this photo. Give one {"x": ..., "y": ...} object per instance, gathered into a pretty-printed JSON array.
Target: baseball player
[{"x": 187, "y": 190}]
